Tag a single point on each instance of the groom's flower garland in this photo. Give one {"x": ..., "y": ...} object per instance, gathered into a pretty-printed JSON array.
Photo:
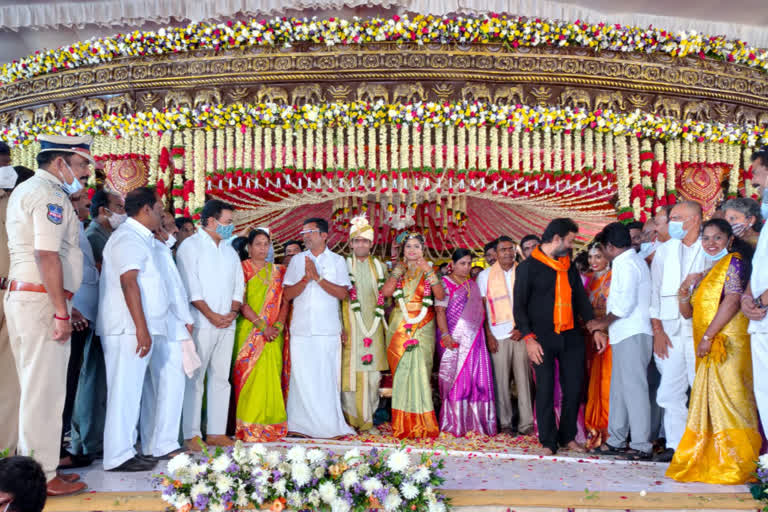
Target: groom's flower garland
[
  {"x": 378, "y": 315},
  {"x": 254, "y": 476},
  {"x": 510, "y": 31}
]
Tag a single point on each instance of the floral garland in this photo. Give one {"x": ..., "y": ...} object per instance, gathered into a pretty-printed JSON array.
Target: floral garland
[
  {"x": 256, "y": 477},
  {"x": 355, "y": 306},
  {"x": 454, "y": 115},
  {"x": 426, "y": 303},
  {"x": 511, "y": 31}
]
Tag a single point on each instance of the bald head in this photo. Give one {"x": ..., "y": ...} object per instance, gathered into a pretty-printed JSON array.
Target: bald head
[
  {"x": 691, "y": 208},
  {"x": 688, "y": 216}
]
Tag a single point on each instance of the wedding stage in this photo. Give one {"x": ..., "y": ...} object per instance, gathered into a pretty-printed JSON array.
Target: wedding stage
[{"x": 482, "y": 473}]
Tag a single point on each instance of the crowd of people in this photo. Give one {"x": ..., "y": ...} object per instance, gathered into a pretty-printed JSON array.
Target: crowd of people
[{"x": 136, "y": 336}]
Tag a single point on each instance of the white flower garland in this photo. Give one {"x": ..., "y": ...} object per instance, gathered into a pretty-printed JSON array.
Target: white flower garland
[{"x": 378, "y": 316}]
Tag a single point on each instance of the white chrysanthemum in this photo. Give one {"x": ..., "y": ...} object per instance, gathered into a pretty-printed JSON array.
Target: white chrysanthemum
[
  {"x": 436, "y": 506},
  {"x": 181, "y": 501},
  {"x": 409, "y": 491},
  {"x": 319, "y": 472},
  {"x": 393, "y": 500},
  {"x": 296, "y": 454},
  {"x": 294, "y": 500},
  {"x": 371, "y": 485},
  {"x": 256, "y": 453},
  {"x": 315, "y": 456},
  {"x": 280, "y": 486},
  {"x": 181, "y": 462},
  {"x": 301, "y": 473},
  {"x": 327, "y": 492},
  {"x": 224, "y": 483},
  {"x": 199, "y": 489},
  {"x": 216, "y": 507},
  {"x": 398, "y": 461},
  {"x": 349, "y": 478},
  {"x": 240, "y": 453},
  {"x": 196, "y": 469},
  {"x": 242, "y": 497},
  {"x": 221, "y": 463},
  {"x": 272, "y": 459},
  {"x": 314, "y": 498},
  {"x": 340, "y": 505},
  {"x": 429, "y": 494},
  {"x": 363, "y": 469},
  {"x": 763, "y": 460},
  {"x": 284, "y": 467},
  {"x": 421, "y": 475},
  {"x": 351, "y": 455}
]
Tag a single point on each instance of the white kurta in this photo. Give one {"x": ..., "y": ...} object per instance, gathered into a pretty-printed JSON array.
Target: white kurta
[
  {"x": 314, "y": 400},
  {"x": 671, "y": 264},
  {"x": 759, "y": 329},
  {"x": 129, "y": 248}
]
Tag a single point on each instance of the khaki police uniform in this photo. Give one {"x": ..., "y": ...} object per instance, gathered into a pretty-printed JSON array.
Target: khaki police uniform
[
  {"x": 40, "y": 217},
  {"x": 9, "y": 379}
]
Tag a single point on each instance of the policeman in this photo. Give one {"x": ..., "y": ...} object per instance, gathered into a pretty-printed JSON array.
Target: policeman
[{"x": 46, "y": 270}]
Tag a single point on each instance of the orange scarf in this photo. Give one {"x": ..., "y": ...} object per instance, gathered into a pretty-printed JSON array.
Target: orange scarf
[
  {"x": 498, "y": 295},
  {"x": 563, "y": 315}
]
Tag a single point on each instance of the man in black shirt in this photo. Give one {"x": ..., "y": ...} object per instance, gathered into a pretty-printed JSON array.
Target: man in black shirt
[{"x": 550, "y": 330}]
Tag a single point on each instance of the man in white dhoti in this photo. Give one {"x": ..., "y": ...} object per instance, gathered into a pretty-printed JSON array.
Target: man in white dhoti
[
  {"x": 754, "y": 302},
  {"x": 161, "y": 402},
  {"x": 213, "y": 277},
  {"x": 133, "y": 305},
  {"x": 317, "y": 279},
  {"x": 673, "y": 345}
]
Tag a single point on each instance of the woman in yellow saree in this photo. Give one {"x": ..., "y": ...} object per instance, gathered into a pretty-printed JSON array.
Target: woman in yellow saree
[
  {"x": 598, "y": 364},
  {"x": 721, "y": 441},
  {"x": 257, "y": 369},
  {"x": 411, "y": 336}
]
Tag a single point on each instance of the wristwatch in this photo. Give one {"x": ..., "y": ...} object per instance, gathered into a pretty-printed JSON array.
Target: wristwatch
[
  {"x": 319, "y": 279},
  {"x": 759, "y": 302}
]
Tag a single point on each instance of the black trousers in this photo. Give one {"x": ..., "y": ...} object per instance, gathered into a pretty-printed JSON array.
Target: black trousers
[{"x": 568, "y": 349}]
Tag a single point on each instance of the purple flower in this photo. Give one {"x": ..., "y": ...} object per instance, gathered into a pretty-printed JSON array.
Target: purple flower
[
  {"x": 233, "y": 468},
  {"x": 276, "y": 475},
  {"x": 227, "y": 496},
  {"x": 201, "y": 502},
  {"x": 169, "y": 490},
  {"x": 381, "y": 494}
]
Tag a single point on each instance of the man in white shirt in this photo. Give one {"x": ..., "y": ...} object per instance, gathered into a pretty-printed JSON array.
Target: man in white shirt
[
  {"x": 673, "y": 344},
  {"x": 164, "y": 383},
  {"x": 316, "y": 280},
  {"x": 754, "y": 302},
  {"x": 629, "y": 330},
  {"x": 133, "y": 306},
  {"x": 510, "y": 358},
  {"x": 213, "y": 277}
]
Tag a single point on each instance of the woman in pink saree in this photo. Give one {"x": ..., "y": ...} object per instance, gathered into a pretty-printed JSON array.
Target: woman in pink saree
[{"x": 466, "y": 377}]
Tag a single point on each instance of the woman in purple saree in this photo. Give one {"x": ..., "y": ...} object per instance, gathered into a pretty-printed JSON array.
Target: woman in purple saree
[{"x": 466, "y": 377}]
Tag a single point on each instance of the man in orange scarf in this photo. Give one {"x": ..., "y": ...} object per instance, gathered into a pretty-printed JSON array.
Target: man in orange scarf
[{"x": 548, "y": 294}]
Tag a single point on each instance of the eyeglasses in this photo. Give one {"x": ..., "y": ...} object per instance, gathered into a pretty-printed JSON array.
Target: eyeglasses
[{"x": 308, "y": 232}]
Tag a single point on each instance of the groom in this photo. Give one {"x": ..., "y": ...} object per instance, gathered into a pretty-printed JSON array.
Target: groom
[{"x": 364, "y": 354}]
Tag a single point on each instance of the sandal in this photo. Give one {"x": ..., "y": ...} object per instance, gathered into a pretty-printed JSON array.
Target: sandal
[
  {"x": 635, "y": 455},
  {"x": 606, "y": 449}
]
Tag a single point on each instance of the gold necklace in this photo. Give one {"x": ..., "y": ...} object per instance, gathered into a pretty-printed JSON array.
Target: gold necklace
[
  {"x": 258, "y": 271},
  {"x": 464, "y": 284}
]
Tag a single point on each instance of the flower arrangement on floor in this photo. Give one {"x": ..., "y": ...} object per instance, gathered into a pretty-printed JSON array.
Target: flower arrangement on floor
[
  {"x": 759, "y": 489},
  {"x": 301, "y": 479}
]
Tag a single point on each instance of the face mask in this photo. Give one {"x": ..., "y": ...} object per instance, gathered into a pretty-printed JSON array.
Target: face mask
[
  {"x": 676, "y": 230},
  {"x": 75, "y": 186},
  {"x": 739, "y": 229},
  {"x": 170, "y": 242},
  {"x": 116, "y": 219},
  {"x": 718, "y": 256},
  {"x": 225, "y": 232},
  {"x": 646, "y": 248}
]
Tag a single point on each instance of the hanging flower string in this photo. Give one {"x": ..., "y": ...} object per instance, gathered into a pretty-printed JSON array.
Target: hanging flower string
[{"x": 511, "y": 31}]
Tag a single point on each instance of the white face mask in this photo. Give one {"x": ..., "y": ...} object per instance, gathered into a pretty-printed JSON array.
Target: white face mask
[
  {"x": 116, "y": 219},
  {"x": 170, "y": 242}
]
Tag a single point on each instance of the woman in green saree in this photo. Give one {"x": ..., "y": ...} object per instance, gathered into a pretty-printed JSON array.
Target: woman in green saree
[{"x": 258, "y": 364}]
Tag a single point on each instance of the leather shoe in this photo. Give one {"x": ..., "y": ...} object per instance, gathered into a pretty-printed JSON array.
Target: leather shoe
[
  {"x": 134, "y": 465},
  {"x": 195, "y": 444},
  {"x": 665, "y": 456},
  {"x": 70, "y": 477},
  {"x": 60, "y": 487}
]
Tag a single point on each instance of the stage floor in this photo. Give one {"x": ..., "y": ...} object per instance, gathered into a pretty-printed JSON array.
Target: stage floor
[{"x": 482, "y": 463}]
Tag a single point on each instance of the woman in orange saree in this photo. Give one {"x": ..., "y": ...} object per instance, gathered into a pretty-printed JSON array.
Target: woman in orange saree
[
  {"x": 599, "y": 365},
  {"x": 411, "y": 336},
  {"x": 258, "y": 366},
  {"x": 721, "y": 441}
]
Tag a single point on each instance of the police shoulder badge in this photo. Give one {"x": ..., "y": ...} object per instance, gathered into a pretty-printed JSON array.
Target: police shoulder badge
[{"x": 55, "y": 213}]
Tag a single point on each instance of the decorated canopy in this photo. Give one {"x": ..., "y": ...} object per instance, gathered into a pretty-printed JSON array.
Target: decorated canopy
[{"x": 464, "y": 128}]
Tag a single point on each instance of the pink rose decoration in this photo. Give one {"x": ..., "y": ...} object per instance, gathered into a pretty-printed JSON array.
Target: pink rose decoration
[
  {"x": 367, "y": 342},
  {"x": 367, "y": 359}
]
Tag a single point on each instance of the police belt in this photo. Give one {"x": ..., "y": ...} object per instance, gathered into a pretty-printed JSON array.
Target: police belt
[{"x": 21, "y": 286}]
